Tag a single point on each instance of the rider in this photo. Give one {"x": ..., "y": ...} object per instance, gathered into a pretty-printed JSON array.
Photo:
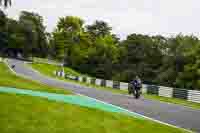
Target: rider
[
  {"x": 13, "y": 66},
  {"x": 137, "y": 85}
]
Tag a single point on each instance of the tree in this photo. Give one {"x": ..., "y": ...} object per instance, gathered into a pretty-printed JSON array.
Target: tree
[
  {"x": 95, "y": 50},
  {"x": 70, "y": 25},
  {"x": 102, "y": 55},
  {"x": 188, "y": 76},
  {"x": 69, "y": 30},
  {"x": 3, "y": 32},
  {"x": 98, "y": 29},
  {"x": 116, "y": 39},
  {"x": 93, "y": 55},
  {"x": 135, "y": 59},
  {"x": 16, "y": 35},
  {"x": 175, "y": 59},
  {"x": 3, "y": 20},
  {"x": 35, "y": 33},
  {"x": 58, "y": 44},
  {"x": 5, "y": 3}
]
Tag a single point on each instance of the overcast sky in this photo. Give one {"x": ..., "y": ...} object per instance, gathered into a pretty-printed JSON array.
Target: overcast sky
[{"x": 166, "y": 17}]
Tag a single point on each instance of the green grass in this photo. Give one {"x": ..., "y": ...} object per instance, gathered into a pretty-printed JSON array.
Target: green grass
[
  {"x": 7, "y": 78},
  {"x": 36, "y": 59},
  {"x": 48, "y": 70},
  {"x": 174, "y": 101},
  {"x": 26, "y": 114}
]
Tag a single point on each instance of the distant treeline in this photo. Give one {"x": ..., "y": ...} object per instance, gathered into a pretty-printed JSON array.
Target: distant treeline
[{"x": 95, "y": 50}]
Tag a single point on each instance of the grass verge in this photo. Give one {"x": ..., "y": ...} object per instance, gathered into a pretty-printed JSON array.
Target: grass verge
[
  {"x": 24, "y": 114},
  {"x": 11, "y": 80},
  {"x": 48, "y": 69}
]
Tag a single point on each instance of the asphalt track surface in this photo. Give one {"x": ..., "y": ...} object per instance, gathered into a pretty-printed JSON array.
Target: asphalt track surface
[{"x": 177, "y": 115}]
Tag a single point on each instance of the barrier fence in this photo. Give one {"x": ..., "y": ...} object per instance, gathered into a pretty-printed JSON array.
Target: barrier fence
[{"x": 189, "y": 95}]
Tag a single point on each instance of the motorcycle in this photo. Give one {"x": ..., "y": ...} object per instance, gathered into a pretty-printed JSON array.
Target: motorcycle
[
  {"x": 13, "y": 66},
  {"x": 136, "y": 92}
]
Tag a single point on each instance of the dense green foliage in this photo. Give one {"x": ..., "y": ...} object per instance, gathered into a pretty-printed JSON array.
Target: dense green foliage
[
  {"x": 26, "y": 36},
  {"x": 97, "y": 51},
  {"x": 93, "y": 49}
]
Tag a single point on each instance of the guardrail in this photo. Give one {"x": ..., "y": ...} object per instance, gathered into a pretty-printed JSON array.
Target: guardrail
[{"x": 189, "y": 95}]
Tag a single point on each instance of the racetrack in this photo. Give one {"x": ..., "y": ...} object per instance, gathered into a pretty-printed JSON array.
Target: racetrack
[{"x": 170, "y": 113}]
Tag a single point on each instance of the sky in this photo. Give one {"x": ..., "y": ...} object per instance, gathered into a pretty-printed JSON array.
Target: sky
[{"x": 165, "y": 17}]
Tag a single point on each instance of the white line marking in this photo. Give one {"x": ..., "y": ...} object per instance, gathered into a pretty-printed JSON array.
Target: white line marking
[
  {"x": 138, "y": 114},
  {"x": 5, "y": 61}
]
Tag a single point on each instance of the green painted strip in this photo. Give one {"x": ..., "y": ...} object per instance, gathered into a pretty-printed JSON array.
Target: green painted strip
[{"x": 72, "y": 99}]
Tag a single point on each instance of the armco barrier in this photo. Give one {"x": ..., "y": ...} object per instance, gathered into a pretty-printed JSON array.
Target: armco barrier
[
  {"x": 88, "y": 80},
  {"x": 98, "y": 82},
  {"x": 180, "y": 93},
  {"x": 116, "y": 85},
  {"x": 189, "y": 95},
  {"x": 63, "y": 74},
  {"x": 152, "y": 89},
  {"x": 194, "y": 96},
  {"x": 59, "y": 74},
  {"x": 109, "y": 83},
  {"x": 80, "y": 79},
  {"x": 165, "y": 91},
  {"x": 123, "y": 86},
  {"x": 144, "y": 88},
  {"x": 71, "y": 77},
  {"x": 93, "y": 80},
  {"x": 103, "y": 82}
]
